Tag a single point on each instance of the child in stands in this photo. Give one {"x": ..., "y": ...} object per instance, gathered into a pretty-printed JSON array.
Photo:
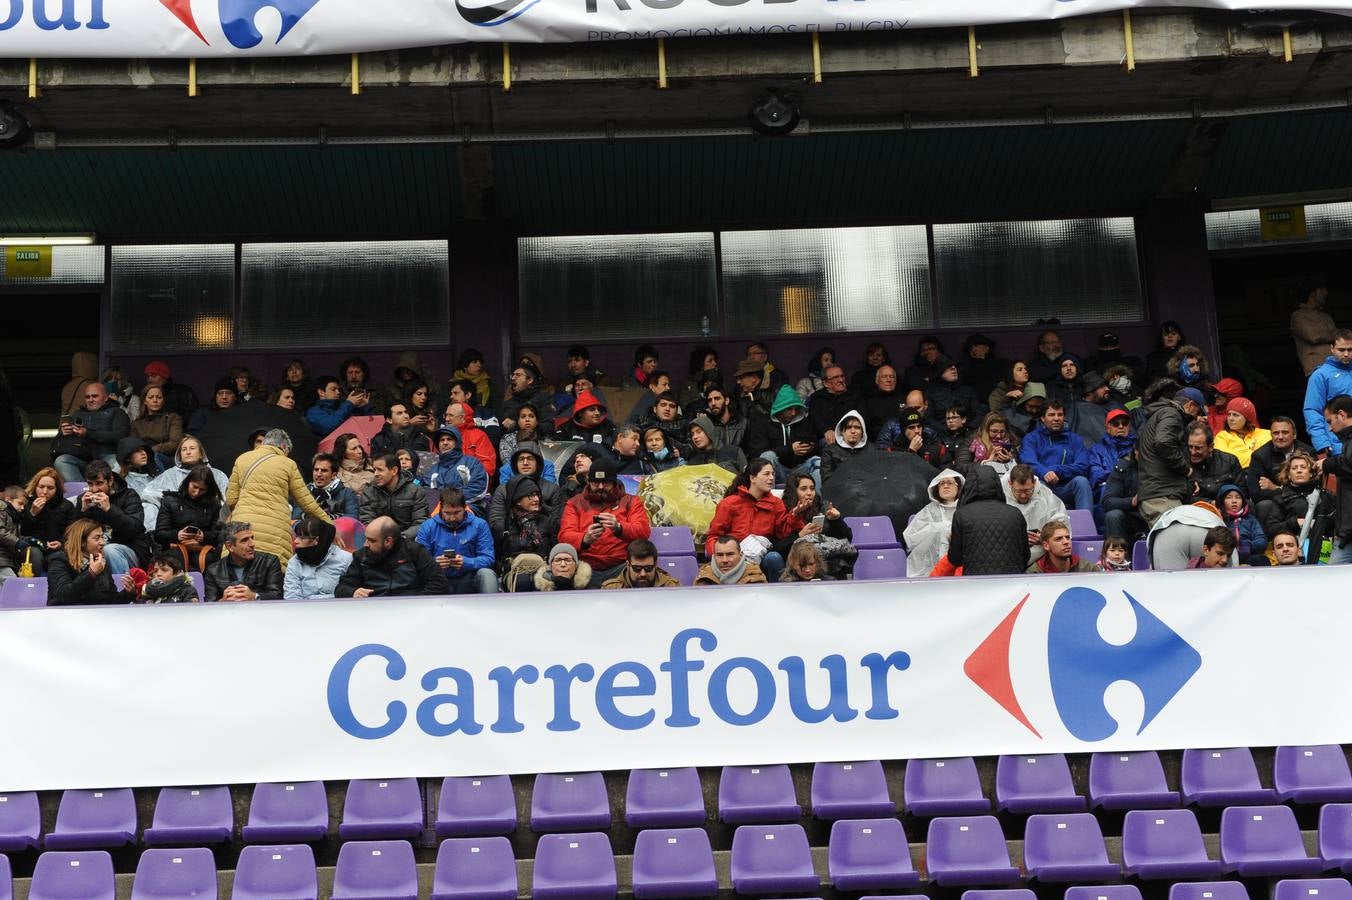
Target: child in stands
[
  {"x": 168, "y": 582},
  {"x": 1116, "y": 556}
]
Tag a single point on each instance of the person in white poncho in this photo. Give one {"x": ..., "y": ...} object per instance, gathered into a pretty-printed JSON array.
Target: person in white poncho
[{"x": 927, "y": 534}]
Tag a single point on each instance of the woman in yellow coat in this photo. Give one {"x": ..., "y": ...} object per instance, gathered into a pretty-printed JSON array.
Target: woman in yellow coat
[
  {"x": 1242, "y": 435},
  {"x": 262, "y": 486}
]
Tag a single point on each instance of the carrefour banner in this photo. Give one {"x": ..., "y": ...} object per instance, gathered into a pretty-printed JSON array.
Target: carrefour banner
[
  {"x": 231, "y": 693},
  {"x": 204, "y": 28}
]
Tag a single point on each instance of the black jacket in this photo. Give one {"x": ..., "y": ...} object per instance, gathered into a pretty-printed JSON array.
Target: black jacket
[
  {"x": 880, "y": 408},
  {"x": 1266, "y": 462},
  {"x": 768, "y": 433},
  {"x": 407, "y": 569},
  {"x": 179, "y": 511},
  {"x": 824, "y": 409},
  {"x": 989, "y": 536},
  {"x": 125, "y": 516},
  {"x": 1283, "y": 510},
  {"x": 51, "y": 523},
  {"x": 1220, "y": 468},
  {"x": 106, "y": 426},
  {"x": 1162, "y": 454},
  {"x": 66, "y": 587},
  {"x": 1121, "y": 487},
  {"x": 1342, "y": 467},
  {"x": 406, "y": 504},
  {"x": 263, "y": 574},
  {"x": 389, "y": 440}
]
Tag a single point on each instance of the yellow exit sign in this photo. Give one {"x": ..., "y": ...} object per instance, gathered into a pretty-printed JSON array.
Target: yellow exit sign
[
  {"x": 1282, "y": 223},
  {"x": 28, "y": 262}
]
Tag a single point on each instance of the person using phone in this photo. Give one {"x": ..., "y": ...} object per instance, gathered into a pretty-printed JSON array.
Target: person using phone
[
  {"x": 462, "y": 545},
  {"x": 188, "y": 519}
]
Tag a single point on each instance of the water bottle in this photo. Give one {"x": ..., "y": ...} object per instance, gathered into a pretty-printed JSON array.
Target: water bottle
[{"x": 704, "y": 326}]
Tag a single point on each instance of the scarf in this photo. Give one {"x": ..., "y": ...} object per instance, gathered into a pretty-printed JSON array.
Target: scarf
[
  {"x": 481, "y": 384},
  {"x": 156, "y": 590},
  {"x": 733, "y": 575},
  {"x": 313, "y": 556}
]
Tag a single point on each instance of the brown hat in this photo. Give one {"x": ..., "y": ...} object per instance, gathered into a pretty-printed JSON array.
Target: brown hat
[{"x": 749, "y": 367}]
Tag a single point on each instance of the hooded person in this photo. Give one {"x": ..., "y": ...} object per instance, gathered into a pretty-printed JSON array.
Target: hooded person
[
  {"x": 851, "y": 441},
  {"x": 706, "y": 449},
  {"x": 319, "y": 562},
  {"x": 408, "y": 369},
  {"x": 590, "y": 422},
  {"x": 981, "y": 368},
  {"x": 927, "y": 533},
  {"x": 785, "y": 437},
  {"x": 1068, "y": 384},
  {"x": 528, "y": 463},
  {"x": 470, "y": 367},
  {"x": 455, "y": 468},
  {"x": 84, "y": 369},
  {"x": 1026, "y": 412},
  {"x": 947, "y": 391},
  {"x": 190, "y": 453},
  {"x": 1241, "y": 435},
  {"x": 1239, "y": 516},
  {"x": 1223, "y": 392},
  {"x": 989, "y": 537},
  {"x": 139, "y": 465},
  {"x": 527, "y": 525}
]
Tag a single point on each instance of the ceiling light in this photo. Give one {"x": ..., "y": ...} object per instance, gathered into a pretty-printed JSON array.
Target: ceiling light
[{"x": 46, "y": 240}]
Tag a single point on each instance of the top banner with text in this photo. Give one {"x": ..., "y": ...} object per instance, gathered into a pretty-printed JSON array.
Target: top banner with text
[
  {"x": 249, "y": 692},
  {"x": 207, "y": 28}
]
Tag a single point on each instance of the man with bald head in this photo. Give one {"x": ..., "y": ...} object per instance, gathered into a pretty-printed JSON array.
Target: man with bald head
[
  {"x": 390, "y": 566},
  {"x": 90, "y": 433}
]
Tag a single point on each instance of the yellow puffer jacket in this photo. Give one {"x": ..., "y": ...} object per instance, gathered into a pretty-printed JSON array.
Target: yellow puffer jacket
[{"x": 262, "y": 486}]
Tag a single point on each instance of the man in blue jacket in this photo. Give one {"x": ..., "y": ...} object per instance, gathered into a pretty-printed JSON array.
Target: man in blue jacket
[
  {"x": 462, "y": 545},
  {"x": 1058, "y": 457},
  {"x": 455, "y": 468},
  {"x": 331, "y": 410},
  {"x": 1117, "y": 442},
  {"x": 1332, "y": 379}
]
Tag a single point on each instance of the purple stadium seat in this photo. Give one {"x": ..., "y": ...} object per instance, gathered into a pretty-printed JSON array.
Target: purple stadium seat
[
  {"x": 1034, "y": 784},
  {"x": 1129, "y": 781},
  {"x": 382, "y": 810},
  {"x": 480, "y": 868},
  {"x": 674, "y": 862},
  {"x": 1208, "y": 890},
  {"x": 772, "y": 859},
  {"x": 89, "y": 820},
  {"x": 684, "y": 569},
  {"x": 944, "y": 787},
  {"x": 872, "y": 532},
  {"x": 75, "y": 488},
  {"x": 383, "y": 869},
  {"x": 870, "y": 854},
  {"x": 1312, "y": 889},
  {"x": 1222, "y": 778},
  {"x": 20, "y": 821},
  {"x": 6, "y": 879},
  {"x": 200, "y": 583},
  {"x": 1104, "y": 892},
  {"x": 574, "y": 867},
  {"x": 86, "y": 875},
  {"x": 1335, "y": 835},
  {"x": 968, "y": 850},
  {"x": 174, "y": 874},
  {"x": 999, "y": 894},
  {"x": 1264, "y": 840},
  {"x": 673, "y": 540},
  {"x": 1314, "y": 774},
  {"x": 476, "y": 805},
  {"x": 757, "y": 794},
  {"x": 191, "y": 816},
  {"x": 276, "y": 873},
  {"x": 1165, "y": 844},
  {"x": 1089, "y": 549},
  {"x": 433, "y": 498},
  {"x": 1082, "y": 525},
  {"x": 573, "y": 802},
  {"x": 1140, "y": 557},
  {"x": 664, "y": 798},
  {"x": 1066, "y": 847},
  {"x": 23, "y": 593},
  {"x": 851, "y": 790},
  {"x": 880, "y": 563},
  {"x": 287, "y": 812}
]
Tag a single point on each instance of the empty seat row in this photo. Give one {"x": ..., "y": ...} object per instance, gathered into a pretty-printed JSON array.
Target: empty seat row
[{"x": 1286, "y": 889}]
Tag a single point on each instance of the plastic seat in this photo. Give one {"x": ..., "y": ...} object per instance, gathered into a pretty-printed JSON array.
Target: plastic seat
[
  {"x": 174, "y": 874},
  {"x": 968, "y": 850},
  {"x": 674, "y": 862},
  {"x": 287, "y": 812},
  {"x": 851, "y": 790},
  {"x": 1264, "y": 840},
  {"x": 6, "y": 879},
  {"x": 285, "y": 872},
  {"x": 673, "y": 540},
  {"x": 1066, "y": 847},
  {"x": 1314, "y": 774},
  {"x": 1335, "y": 835},
  {"x": 482, "y": 868},
  {"x": 772, "y": 859},
  {"x": 83, "y": 875},
  {"x": 1129, "y": 781},
  {"x": 664, "y": 798},
  {"x": 872, "y": 532},
  {"x": 684, "y": 569},
  {"x": 23, "y": 593},
  {"x": 75, "y": 488},
  {"x": 383, "y": 869},
  {"x": 879, "y": 564},
  {"x": 1208, "y": 890},
  {"x": 757, "y": 794},
  {"x": 88, "y": 820},
  {"x": 574, "y": 867},
  {"x": 1089, "y": 549},
  {"x": 433, "y": 496},
  {"x": 20, "y": 821},
  {"x": 1312, "y": 889},
  {"x": 944, "y": 787},
  {"x": 1165, "y": 844},
  {"x": 200, "y": 583},
  {"x": 1082, "y": 525},
  {"x": 1223, "y": 778},
  {"x": 574, "y": 802},
  {"x": 474, "y": 806},
  {"x": 1140, "y": 557},
  {"x": 999, "y": 894},
  {"x": 1035, "y": 784},
  {"x": 870, "y": 854},
  {"x": 382, "y": 810},
  {"x": 1104, "y": 892},
  {"x": 191, "y": 816}
]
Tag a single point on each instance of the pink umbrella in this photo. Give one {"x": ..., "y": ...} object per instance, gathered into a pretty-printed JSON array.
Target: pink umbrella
[{"x": 364, "y": 427}]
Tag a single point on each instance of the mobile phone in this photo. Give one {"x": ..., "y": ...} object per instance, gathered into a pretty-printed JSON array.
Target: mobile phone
[
  {"x": 449, "y": 554},
  {"x": 819, "y": 521},
  {"x": 596, "y": 520}
]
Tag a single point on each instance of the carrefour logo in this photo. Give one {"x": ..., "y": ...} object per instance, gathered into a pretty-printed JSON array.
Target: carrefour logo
[
  {"x": 1082, "y": 665},
  {"x": 237, "y": 18}
]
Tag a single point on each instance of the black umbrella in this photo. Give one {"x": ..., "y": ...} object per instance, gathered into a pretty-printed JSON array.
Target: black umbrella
[
  {"x": 879, "y": 483},
  {"x": 226, "y": 434}
]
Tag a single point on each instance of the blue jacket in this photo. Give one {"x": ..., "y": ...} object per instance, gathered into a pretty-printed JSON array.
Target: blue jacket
[
  {"x": 326, "y": 415},
  {"x": 1332, "y": 379},
  {"x": 1062, "y": 452},
  {"x": 455, "y": 469},
  {"x": 302, "y": 581},
  {"x": 342, "y": 501},
  {"x": 473, "y": 540},
  {"x": 1105, "y": 454}
]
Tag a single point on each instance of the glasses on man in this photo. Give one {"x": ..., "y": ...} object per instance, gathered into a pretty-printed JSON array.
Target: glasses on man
[{"x": 643, "y": 570}]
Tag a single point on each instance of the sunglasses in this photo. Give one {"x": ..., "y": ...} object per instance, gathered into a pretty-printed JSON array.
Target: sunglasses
[{"x": 643, "y": 570}]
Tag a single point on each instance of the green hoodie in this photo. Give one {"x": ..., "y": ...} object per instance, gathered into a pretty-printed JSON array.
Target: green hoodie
[{"x": 787, "y": 398}]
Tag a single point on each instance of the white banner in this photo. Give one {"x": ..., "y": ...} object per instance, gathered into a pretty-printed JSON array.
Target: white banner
[
  {"x": 247, "y": 692},
  {"x": 206, "y": 28}
]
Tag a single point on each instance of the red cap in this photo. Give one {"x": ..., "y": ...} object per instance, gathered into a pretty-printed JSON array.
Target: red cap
[
  {"x": 1229, "y": 387},
  {"x": 1115, "y": 412},
  {"x": 158, "y": 367}
]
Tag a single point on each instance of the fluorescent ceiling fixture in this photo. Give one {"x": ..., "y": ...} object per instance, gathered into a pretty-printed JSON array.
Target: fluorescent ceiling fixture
[{"x": 50, "y": 240}]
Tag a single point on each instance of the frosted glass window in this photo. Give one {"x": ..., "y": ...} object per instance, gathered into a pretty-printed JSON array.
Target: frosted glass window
[
  {"x": 172, "y": 297},
  {"x": 344, "y": 294},
  {"x": 826, "y": 279},
  {"x": 1013, "y": 273},
  {"x": 71, "y": 264},
  {"x": 1239, "y": 229},
  {"x": 594, "y": 287}
]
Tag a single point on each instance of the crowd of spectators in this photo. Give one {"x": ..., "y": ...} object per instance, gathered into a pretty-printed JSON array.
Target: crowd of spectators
[{"x": 1152, "y": 448}]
